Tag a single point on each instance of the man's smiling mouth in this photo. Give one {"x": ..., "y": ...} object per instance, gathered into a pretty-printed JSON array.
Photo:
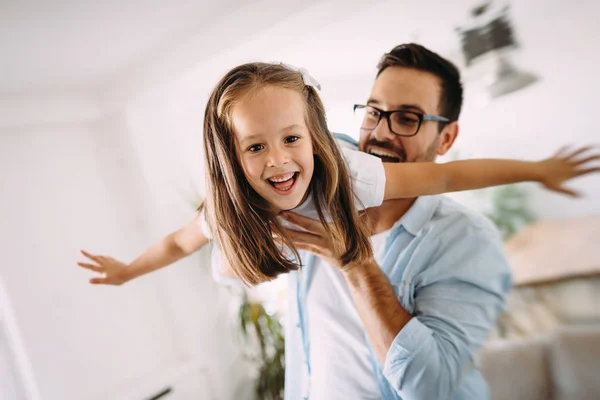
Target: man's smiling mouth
[{"x": 385, "y": 155}]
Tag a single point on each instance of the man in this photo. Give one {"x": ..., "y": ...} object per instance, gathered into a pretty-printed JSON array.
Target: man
[{"x": 408, "y": 324}]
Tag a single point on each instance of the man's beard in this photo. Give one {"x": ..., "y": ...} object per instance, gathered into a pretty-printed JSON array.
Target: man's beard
[{"x": 428, "y": 155}]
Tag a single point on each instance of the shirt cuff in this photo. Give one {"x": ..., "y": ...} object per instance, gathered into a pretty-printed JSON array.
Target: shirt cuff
[
  {"x": 404, "y": 348},
  {"x": 368, "y": 177},
  {"x": 215, "y": 263},
  {"x": 379, "y": 185},
  {"x": 204, "y": 225}
]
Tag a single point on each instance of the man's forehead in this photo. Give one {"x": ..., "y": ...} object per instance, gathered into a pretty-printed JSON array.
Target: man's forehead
[{"x": 405, "y": 88}]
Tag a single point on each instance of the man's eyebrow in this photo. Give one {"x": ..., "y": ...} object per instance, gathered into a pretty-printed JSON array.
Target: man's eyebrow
[
  {"x": 405, "y": 107},
  {"x": 411, "y": 107}
]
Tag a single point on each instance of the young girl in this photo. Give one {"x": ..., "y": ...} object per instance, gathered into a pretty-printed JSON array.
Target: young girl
[{"x": 268, "y": 149}]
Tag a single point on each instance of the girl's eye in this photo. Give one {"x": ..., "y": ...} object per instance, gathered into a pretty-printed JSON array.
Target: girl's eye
[
  {"x": 291, "y": 139},
  {"x": 255, "y": 147}
]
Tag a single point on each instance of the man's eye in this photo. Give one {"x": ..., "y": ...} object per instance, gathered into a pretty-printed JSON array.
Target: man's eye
[
  {"x": 291, "y": 139},
  {"x": 255, "y": 147},
  {"x": 408, "y": 120}
]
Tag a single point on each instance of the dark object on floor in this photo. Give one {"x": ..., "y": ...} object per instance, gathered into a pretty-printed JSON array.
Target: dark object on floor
[{"x": 161, "y": 394}]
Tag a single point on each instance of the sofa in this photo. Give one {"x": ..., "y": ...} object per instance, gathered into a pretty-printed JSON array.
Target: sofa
[{"x": 562, "y": 365}]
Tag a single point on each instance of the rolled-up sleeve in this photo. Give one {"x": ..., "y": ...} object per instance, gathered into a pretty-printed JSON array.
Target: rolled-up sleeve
[
  {"x": 368, "y": 177},
  {"x": 457, "y": 299},
  {"x": 216, "y": 265}
]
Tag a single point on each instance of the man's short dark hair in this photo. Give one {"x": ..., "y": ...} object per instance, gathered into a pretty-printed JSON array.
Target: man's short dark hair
[{"x": 415, "y": 56}]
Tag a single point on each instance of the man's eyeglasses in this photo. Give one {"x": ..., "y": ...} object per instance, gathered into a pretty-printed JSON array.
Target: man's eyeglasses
[{"x": 400, "y": 122}]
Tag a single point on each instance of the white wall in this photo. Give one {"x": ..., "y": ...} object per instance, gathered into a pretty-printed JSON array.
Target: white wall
[
  {"x": 558, "y": 44},
  {"x": 341, "y": 50},
  {"x": 559, "y": 110},
  {"x": 72, "y": 186},
  {"x": 118, "y": 183}
]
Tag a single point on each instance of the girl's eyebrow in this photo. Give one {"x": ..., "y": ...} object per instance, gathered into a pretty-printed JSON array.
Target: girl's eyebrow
[
  {"x": 251, "y": 137},
  {"x": 258, "y": 136},
  {"x": 291, "y": 127}
]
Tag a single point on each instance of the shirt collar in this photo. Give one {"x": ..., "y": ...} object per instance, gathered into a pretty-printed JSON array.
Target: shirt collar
[{"x": 419, "y": 214}]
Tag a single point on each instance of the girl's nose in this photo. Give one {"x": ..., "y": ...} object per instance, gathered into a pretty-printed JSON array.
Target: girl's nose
[{"x": 278, "y": 157}]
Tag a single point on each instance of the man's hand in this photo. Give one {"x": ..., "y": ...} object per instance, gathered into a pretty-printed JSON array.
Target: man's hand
[
  {"x": 376, "y": 302},
  {"x": 567, "y": 164},
  {"x": 315, "y": 240}
]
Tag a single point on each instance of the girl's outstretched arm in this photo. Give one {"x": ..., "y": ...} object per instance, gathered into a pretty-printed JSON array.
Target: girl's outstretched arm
[
  {"x": 407, "y": 180},
  {"x": 168, "y": 250}
]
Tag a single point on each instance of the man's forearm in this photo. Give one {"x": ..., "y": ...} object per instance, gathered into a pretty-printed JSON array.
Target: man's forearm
[{"x": 378, "y": 307}]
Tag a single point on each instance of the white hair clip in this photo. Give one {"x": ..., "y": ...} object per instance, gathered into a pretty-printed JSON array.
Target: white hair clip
[{"x": 308, "y": 79}]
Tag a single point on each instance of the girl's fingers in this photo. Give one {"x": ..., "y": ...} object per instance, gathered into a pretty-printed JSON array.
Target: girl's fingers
[
  {"x": 97, "y": 281},
  {"x": 587, "y": 159},
  {"x": 561, "y": 152},
  {"x": 91, "y": 267},
  {"x": 579, "y": 151},
  {"x": 586, "y": 171},
  {"x": 91, "y": 256},
  {"x": 568, "y": 192}
]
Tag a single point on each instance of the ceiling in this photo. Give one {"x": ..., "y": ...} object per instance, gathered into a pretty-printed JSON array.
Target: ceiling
[
  {"x": 74, "y": 46},
  {"x": 69, "y": 45},
  {"x": 86, "y": 56}
]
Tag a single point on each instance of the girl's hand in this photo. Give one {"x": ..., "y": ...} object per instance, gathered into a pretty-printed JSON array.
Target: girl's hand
[
  {"x": 565, "y": 165},
  {"x": 115, "y": 272}
]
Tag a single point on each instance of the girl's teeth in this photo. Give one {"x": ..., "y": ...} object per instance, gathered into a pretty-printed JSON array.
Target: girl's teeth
[
  {"x": 283, "y": 182},
  {"x": 282, "y": 178}
]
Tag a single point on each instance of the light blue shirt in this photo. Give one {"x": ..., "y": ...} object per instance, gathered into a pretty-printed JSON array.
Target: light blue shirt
[{"x": 447, "y": 267}]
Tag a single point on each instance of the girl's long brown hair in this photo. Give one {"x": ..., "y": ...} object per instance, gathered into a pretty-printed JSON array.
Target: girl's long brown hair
[{"x": 241, "y": 220}]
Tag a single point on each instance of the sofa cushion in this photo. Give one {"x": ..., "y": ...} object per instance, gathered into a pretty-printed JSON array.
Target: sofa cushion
[
  {"x": 517, "y": 369},
  {"x": 575, "y": 363}
]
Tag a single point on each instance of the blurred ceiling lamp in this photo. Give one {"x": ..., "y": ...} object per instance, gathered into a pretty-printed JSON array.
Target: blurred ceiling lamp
[{"x": 487, "y": 42}]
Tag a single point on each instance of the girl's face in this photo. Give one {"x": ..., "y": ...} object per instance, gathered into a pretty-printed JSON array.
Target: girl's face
[{"x": 274, "y": 145}]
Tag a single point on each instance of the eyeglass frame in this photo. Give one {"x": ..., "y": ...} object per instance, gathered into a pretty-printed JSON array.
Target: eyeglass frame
[{"x": 386, "y": 114}]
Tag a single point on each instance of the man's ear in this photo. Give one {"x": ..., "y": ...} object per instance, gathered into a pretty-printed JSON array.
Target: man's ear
[{"x": 447, "y": 137}]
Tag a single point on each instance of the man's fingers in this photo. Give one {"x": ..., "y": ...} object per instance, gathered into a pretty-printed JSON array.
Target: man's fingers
[
  {"x": 97, "y": 281},
  {"x": 91, "y": 267},
  {"x": 303, "y": 222},
  {"x": 310, "y": 248},
  {"x": 302, "y": 237}
]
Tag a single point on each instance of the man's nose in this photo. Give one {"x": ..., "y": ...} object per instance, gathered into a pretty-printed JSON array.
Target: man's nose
[{"x": 382, "y": 131}]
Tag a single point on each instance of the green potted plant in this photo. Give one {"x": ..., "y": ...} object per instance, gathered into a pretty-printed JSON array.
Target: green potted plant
[
  {"x": 265, "y": 333},
  {"x": 510, "y": 209}
]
